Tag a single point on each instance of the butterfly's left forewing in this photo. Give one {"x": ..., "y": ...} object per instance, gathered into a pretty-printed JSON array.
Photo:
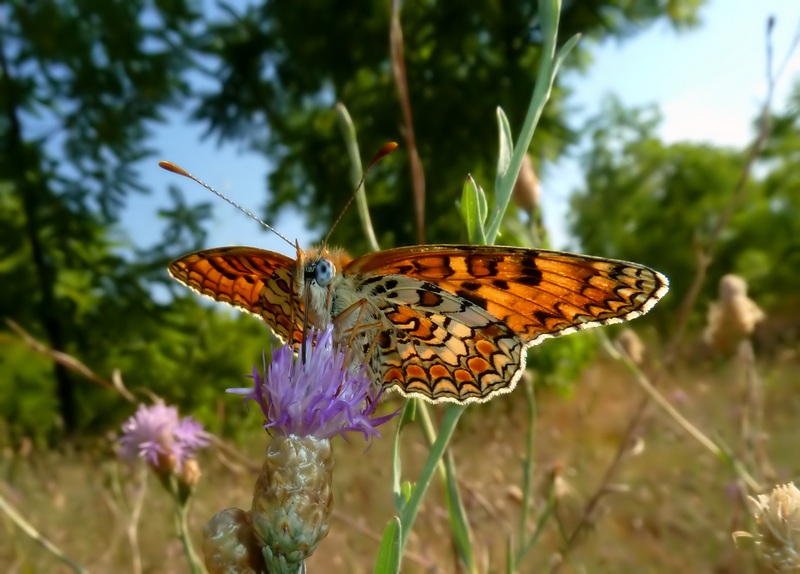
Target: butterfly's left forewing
[{"x": 251, "y": 279}]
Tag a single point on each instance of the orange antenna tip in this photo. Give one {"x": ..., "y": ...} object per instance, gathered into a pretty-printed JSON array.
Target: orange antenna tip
[
  {"x": 169, "y": 166},
  {"x": 385, "y": 150}
]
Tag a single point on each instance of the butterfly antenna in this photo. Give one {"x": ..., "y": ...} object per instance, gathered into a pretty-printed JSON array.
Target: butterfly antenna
[
  {"x": 385, "y": 150},
  {"x": 180, "y": 171}
]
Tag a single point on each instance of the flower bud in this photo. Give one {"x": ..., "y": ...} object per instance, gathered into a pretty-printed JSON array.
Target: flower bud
[
  {"x": 292, "y": 500},
  {"x": 229, "y": 546}
]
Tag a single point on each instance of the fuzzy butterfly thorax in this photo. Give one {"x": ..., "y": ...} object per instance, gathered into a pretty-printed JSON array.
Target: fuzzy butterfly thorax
[
  {"x": 442, "y": 322},
  {"x": 317, "y": 276}
]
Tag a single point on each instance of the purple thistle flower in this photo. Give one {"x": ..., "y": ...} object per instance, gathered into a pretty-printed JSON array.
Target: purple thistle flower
[
  {"x": 157, "y": 434},
  {"x": 318, "y": 398}
]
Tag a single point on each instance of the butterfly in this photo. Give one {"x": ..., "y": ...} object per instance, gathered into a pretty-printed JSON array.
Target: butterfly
[{"x": 447, "y": 323}]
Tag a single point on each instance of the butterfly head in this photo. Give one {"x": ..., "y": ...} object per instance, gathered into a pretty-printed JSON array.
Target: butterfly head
[{"x": 319, "y": 270}]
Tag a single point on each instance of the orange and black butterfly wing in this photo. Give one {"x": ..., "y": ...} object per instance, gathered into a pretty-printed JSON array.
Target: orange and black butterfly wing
[
  {"x": 537, "y": 293},
  {"x": 497, "y": 301},
  {"x": 436, "y": 345},
  {"x": 253, "y": 280}
]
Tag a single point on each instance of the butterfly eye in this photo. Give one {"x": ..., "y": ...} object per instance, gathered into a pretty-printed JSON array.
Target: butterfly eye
[{"x": 323, "y": 272}]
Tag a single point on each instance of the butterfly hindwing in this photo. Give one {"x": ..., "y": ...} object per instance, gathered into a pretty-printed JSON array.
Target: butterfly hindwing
[{"x": 438, "y": 345}]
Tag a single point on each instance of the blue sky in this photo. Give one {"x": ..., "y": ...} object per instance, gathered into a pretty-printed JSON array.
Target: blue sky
[{"x": 709, "y": 83}]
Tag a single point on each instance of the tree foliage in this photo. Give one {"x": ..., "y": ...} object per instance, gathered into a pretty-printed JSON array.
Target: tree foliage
[
  {"x": 280, "y": 70},
  {"x": 658, "y": 203},
  {"x": 84, "y": 83}
]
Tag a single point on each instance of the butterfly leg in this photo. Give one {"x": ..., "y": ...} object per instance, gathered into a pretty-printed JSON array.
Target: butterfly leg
[{"x": 357, "y": 328}]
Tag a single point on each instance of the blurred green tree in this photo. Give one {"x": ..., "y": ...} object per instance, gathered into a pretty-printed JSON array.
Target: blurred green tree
[
  {"x": 767, "y": 245},
  {"x": 280, "y": 70},
  {"x": 658, "y": 203},
  {"x": 81, "y": 85}
]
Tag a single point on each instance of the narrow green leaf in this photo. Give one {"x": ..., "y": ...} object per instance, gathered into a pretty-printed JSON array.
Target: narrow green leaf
[
  {"x": 388, "y": 559},
  {"x": 506, "y": 147},
  {"x": 483, "y": 212},
  {"x": 356, "y": 171},
  {"x": 548, "y": 14},
  {"x": 452, "y": 414},
  {"x": 511, "y": 565},
  {"x": 473, "y": 209},
  {"x": 407, "y": 489},
  {"x": 409, "y": 411},
  {"x": 564, "y": 51},
  {"x": 459, "y": 524}
]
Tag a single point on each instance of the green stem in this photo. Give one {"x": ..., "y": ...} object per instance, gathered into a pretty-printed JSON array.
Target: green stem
[
  {"x": 540, "y": 524},
  {"x": 451, "y": 415},
  {"x": 459, "y": 524},
  {"x": 135, "y": 515},
  {"x": 527, "y": 468},
  {"x": 182, "y": 527},
  {"x": 429, "y": 431},
  {"x": 356, "y": 173},
  {"x": 549, "y": 11}
]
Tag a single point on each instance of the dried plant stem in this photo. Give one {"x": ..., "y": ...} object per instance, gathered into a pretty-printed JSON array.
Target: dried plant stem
[
  {"x": 752, "y": 413},
  {"x": 135, "y": 515},
  {"x": 70, "y": 362},
  {"x": 26, "y": 527},
  {"x": 682, "y": 421},
  {"x": 401, "y": 83}
]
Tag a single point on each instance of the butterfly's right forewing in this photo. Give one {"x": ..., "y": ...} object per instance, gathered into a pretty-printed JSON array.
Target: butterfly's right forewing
[{"x": 253, "y": 280}]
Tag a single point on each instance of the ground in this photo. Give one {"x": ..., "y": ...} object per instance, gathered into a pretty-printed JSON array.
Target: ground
[{"x": 672, "y": 507}]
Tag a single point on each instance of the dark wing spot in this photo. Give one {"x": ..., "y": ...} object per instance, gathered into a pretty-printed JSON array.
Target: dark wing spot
[
  {"x": 471, "y": 285},
  {"x": 500, "y": 284},
  {"x": 473, "y": 298},
  {"x": 371, "y": 280},
  {"x": 448, "y": 269},
  {"x": 378, "y": 290},
  {"x": 482, "y": 264},
  {"x": 541, "y": 316},
  {"x": 391, "y": 284},
  {"x": 384, "y": 340},
  {"x": 530, "y": 280}
]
